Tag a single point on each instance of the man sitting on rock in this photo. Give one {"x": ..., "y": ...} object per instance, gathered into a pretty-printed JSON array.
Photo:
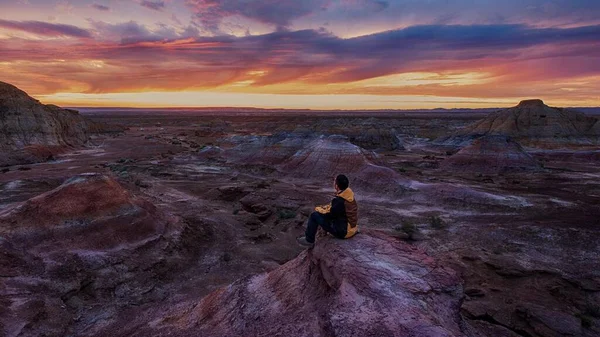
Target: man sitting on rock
[{"x": 339, "y": 218}]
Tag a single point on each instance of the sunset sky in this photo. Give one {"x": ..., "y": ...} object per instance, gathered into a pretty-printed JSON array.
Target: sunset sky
[{"x": 320, "y": 54}]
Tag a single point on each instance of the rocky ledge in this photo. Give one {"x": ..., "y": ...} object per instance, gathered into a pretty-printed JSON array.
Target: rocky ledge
[{"x": 370, "y": 285}]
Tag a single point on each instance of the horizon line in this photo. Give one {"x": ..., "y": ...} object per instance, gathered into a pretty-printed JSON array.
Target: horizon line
[{"x": 294, "y": 109}]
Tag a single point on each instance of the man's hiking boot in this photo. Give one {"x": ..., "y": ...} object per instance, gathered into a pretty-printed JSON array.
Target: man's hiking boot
[{"x": 302, "y": 242}]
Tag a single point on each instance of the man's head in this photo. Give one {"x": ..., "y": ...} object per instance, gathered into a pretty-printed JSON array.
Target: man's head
[{"x": 341, "y": 182}]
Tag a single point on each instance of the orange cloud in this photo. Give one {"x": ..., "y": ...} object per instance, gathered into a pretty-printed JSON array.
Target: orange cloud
[{"x": 490, "y": 62}]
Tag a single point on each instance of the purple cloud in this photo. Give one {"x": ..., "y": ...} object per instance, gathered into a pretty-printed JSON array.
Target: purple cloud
[
  {"x": 45, "y": 28},
  {"x": 308, "y": 51},
  {"x": 178, "y": 60},
  {"x": 133, "y": 32},
  {"x": 155, "y": 5},
  {"x": 100, "y": 7},
  {"x": 210, "y": 13}
]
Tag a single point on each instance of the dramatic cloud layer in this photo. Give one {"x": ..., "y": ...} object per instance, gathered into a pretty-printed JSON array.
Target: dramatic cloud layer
[
  {"x": 298, "y": 48},
  {"x": 279, "y": 13},
  {"x": 44, "y": 28},
  {"x": 100, "y": 7},
  {"x": 155, "y": 5}
]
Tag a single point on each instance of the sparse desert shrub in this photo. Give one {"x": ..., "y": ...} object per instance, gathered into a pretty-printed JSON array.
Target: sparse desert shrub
[
  {"x": 409, "y": 228},
  {"x": 286, "y": 214},
  {"x": 592, "y": 309},
  {"x": 507, "y": 247},
  {"x": 586, "y": 321},
  {"x": 436, "y": 222},
  {"x": 141, "y": 183}
]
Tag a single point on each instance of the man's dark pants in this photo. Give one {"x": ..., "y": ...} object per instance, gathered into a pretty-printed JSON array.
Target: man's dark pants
[{"x": 315, "y": 220}]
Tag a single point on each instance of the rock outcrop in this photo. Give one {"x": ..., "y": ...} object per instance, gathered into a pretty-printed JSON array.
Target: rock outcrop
[
  {"x": 25, "y": 121},
  {"x": 370, "y": 285},
  {"x": 491, "y": 155},
  {"x": 265, "y": 150},
  {"x": 319, "y": 158},
  {"x": 31, "y": 132},
  {"x": 29, "y": 155},
  {"x": 326, "y": 157},
  {"x": 82, "y": 250},
  {"x": 376, "y": 138},
  {"x": 533, "y": 122},
  {"x": 81, "y": 207}
]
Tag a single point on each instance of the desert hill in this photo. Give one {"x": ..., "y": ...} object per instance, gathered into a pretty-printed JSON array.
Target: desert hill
[
  {"x": 32, "y": 132},
  {"x": 491, "y": 154},
  {"x": 89, "y": 240},
  {"x": 25, "y": 121},
  {"x": 533, "y": 122},
  {"x": 327, "y": 156}
]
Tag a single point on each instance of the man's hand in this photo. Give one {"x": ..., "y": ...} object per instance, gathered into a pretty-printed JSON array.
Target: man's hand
[{"x": 323, "y": 209}]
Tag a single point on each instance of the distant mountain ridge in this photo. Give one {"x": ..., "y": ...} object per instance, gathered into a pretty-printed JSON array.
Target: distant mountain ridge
[{"x": 203, "y": 110}]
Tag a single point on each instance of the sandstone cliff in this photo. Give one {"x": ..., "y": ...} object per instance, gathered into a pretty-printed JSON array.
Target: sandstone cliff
[{"x": 25, "y": 121}]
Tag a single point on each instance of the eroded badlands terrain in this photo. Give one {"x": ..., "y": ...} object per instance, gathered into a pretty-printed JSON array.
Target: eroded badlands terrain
[{"x": 184, "y": 224}]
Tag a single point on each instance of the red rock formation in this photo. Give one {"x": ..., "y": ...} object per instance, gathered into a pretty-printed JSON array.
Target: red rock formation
[
  {"x": 320, "y": 159},
  {"x": 262, "y": 150},
  {"x": 326, "y": 157},
  {"x": 370, "y": 285},
  {"x": 533, "y": 122},
  {"x": 375, "y": 138},
  {"x": 89, "y": 241},
  {"x": 29, "y": 155},
  {"x": 491, "y": 155},
  {"x": 533, "y": 118},
  {"x": 86, "y": 211}
]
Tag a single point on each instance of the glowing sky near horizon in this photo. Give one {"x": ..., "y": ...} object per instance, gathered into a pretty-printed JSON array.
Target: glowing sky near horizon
[{"x": 320, "y": 54}]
